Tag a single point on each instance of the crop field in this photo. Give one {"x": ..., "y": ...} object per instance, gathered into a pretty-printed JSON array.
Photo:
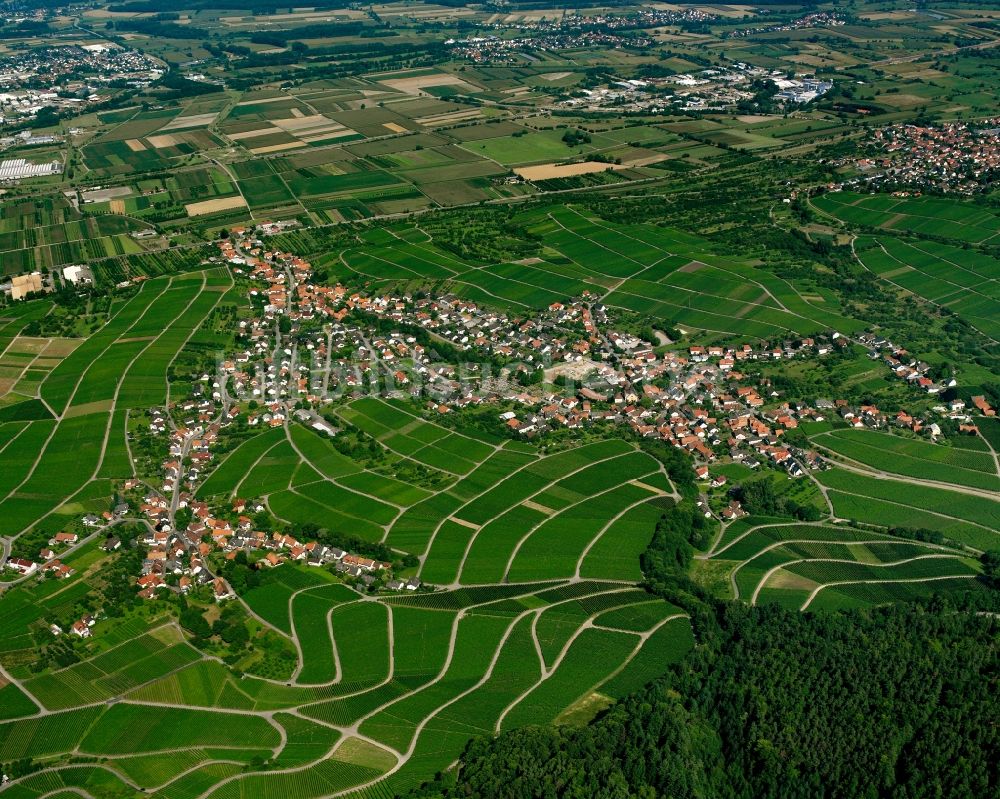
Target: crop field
[
  {"x": 914, "y": 458},
  {"x": 27, "y": 247},
  {"x": 959, "y": 517},
  {"x": 393, "y": 674},
  {"x": 963, "y": 281},
  {"x": 796, "y": 586},
  {"x": 930, "y": 215},
  {"x": 123, "y": 365},
  {"x": 789, "y": 563},
  {"x": 400, "y": 149},
  {"x": 501, "y": 511},
  {"x": 667, "y": 274},
  {"x": 413, "y": 438}
]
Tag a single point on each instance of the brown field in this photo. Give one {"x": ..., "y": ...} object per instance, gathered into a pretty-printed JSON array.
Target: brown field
[
  {"x": 193, "y": 121},
  {"x": 277, "y": 148},
  {"x": 261, "y": 100},
  {"x": 302, "y": 122},
  {"x": 61, "y": 347},
  {"x": 394, "y": 127},
  {"x": 162, "y": 140},
  {"x": 100, "y": 195},
  {"x": 323, "y": 136},
  {"x": 251, "y": 134},
  {"x": 100, "y": 406},
  {"x": 415, "y": 84},
  {"x": 117, "y": 207},
  {"x": 445, "y": 119},
  {"x": 135, "y": 145},
  {"x": 549, "y": 171},
  {"x": 211, "y": 206},
  {"x": 786, "y": 579},
  {"x": 28, "y": 344},
  {"x": 646, "y": 160}
]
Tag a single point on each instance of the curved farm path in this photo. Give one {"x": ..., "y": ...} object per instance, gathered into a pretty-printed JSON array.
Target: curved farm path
[
  {"x": 778, "y": 544},
  {"x": 767, "y": 576},
  {"x": 993, "y": 452},
  {"x": 600, "y": 533},
  {"x": 452, "y": 516},
  {"x": 548, "y": 671},
  {"x": 851, "y": 465},
  {"x": 714, "y": 553},
  {"x": 819, "y": 588},
  {"x": 778, "y": 304},
  {"x": 325, "y": 479},
  {"x": 125, "y": 371},
  {"x": 337, "y": 673},
  {"x": 113, "y": 406},
  {"x": 221, "y": 294},
  {"x": 76, "y": 386},
  {"x": 534, "y": 528},
  {"x": 354, "y": 729},
  {"x": 937, "y": 513}
]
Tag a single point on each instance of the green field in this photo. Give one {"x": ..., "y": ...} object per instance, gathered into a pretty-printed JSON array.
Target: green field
[
  {"x": 661, "y": 272},
  {"x": 928, "y": 215},
  {"x": 279, "y": 201},
  {"x": 914, "y": 458}
]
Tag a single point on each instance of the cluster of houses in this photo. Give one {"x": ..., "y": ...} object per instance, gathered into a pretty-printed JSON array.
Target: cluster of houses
[
  {"x": 902, "y": 365},
  {"x": 958, "y": 157},
  {"x": 184, "y": 553},
  {"x": 816, "y": 19},
  {"x": 571, "y": 30},
  {"x": 700, "y": 401},
  {"x": 50, "y": 564},
  {"x": 68, "y": 78},
  {"x": 694, "y": 401}
]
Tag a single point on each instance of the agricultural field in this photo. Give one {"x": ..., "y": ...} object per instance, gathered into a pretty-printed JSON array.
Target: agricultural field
[
  {"x": 502, "y": 512},
  {"x": 75, "y": 438},
  {"x": 962, "y": 222},
  {"x": 381, "y": 667},
  {"x": 894, "y": 454},
  {"x": 795, "y": 564},
  {"x": 399, "y": 700},
  {"x": 669, "y": 275},
  {"x": 307, "y": 486},
  {"x": 964, "y": 282}
]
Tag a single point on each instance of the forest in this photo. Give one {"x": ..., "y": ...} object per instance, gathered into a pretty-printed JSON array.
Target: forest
[{"x": 897, "y": 701}]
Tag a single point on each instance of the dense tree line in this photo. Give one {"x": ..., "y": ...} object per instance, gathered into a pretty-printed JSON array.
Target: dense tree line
[
  {"x": 760, "y": 498},
  {"x": 899, "y": 701},
  {"x": 896, "y": 701}
]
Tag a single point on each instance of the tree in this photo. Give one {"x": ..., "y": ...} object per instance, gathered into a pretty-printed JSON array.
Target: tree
[{"x": 192, "y": 620}]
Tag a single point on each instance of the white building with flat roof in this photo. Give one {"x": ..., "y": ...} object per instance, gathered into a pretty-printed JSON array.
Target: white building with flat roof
[{"x": 18, "y": 168}]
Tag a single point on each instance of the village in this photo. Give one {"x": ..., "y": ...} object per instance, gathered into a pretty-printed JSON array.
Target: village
[
  {"x": 818, "y": 19},
  {"x": 308, "y": 346},
  {"x": 68, "y": 78},
  {"x": 569, "y": 31},
  {"x": 952, "y": 157}
]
